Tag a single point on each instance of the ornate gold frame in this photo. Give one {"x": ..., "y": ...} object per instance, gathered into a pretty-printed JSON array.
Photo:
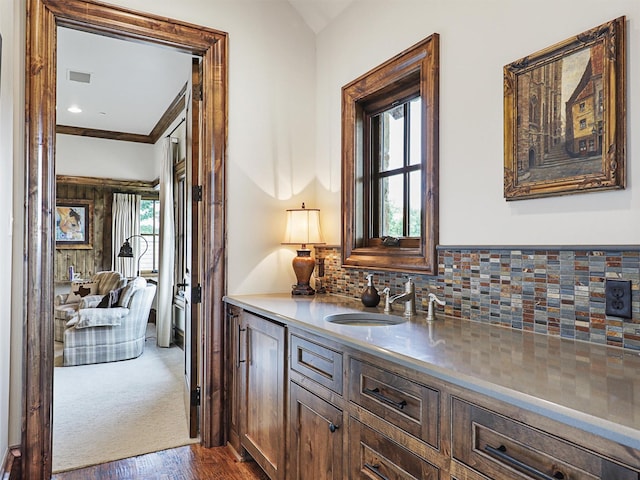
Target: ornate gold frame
[{"x": 556, "y": 143}]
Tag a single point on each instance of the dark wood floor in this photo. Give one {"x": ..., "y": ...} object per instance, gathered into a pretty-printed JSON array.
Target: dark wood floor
[{"x": 184, "y": 463}]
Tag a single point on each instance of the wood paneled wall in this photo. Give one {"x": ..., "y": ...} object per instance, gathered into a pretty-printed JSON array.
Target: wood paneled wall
[{"x": 100, "y": 191}]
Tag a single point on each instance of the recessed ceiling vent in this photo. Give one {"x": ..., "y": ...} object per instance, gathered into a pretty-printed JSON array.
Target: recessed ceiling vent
[{"x": 81, "y": 77}]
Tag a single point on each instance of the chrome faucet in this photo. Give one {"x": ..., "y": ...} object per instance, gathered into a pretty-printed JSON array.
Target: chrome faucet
[{"x": 408, "y": 297}]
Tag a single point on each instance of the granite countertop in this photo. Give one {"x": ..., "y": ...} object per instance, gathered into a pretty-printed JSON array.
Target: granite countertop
[{"x": 592, "y": 387}]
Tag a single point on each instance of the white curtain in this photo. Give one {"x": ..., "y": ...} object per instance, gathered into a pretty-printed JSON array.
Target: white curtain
[
  {"x": 126, "y": 222},
  {"x": 167, "y": 249}
]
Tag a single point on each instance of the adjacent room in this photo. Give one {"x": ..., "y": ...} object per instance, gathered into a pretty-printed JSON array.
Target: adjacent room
[{"x": 119, "y": 322}]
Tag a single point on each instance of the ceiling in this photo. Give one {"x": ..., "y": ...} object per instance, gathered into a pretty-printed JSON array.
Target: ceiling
[
  {"x": 319, "y": 13},
  {"x": 131, "y": 85}
]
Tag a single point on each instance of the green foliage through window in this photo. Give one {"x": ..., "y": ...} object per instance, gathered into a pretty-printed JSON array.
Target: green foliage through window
[{"x": 150, "y": 230}]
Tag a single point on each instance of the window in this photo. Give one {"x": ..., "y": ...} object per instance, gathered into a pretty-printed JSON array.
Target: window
[
  {"x": 150, "y": 230},
  {"x": 397, "y": 170},
  {"x": 583, "y": 124},
  {"x": 390, "y": 163}
]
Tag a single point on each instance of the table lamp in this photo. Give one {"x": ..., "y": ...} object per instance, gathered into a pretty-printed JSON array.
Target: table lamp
[{"x": 303, "y": 228}]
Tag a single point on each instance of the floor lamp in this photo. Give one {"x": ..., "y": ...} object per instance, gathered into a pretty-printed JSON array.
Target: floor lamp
[{"x": 127, "y": 252}]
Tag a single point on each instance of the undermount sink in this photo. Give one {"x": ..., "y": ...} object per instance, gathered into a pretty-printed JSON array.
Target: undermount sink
[{"x": 364, "y": 319}]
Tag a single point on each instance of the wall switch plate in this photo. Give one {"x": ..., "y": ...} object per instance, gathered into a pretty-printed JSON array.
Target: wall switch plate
[{"x": 617, "y": 295}]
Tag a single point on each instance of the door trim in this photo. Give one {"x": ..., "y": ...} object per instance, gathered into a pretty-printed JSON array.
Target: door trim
[{"x": 43, "y": 16}]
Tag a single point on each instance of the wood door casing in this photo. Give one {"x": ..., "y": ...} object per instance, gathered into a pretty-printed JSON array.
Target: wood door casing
[{"x": 43, "y": 16}]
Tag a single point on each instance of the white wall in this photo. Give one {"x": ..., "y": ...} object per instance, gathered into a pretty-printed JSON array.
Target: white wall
[
  {"x": 6, "y": 207},
  {"x": 477, "y": 38},
  {"x": 271, "y": 128},
  {"x": 12, "y": 131},
  {"x": 98, "y": 157}
]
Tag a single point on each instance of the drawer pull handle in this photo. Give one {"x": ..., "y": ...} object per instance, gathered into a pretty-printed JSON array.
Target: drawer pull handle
[
  {"x": 375, "y": 469},
  {"x": 379, "y": 396},
  {"x": 501, "y": 453},
  {"x": 333, "y": 427},
  {"x": 240, "y": 330}
]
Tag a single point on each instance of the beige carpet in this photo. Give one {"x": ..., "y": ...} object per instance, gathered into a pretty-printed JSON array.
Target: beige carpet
[{"x": 116, "y": 410}]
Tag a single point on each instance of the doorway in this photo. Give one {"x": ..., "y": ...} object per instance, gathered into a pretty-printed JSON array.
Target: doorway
[{"x": 43, "y": 16}]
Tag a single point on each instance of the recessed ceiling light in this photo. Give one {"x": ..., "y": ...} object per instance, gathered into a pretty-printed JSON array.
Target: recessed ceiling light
[{"x": 74, "y": 109}]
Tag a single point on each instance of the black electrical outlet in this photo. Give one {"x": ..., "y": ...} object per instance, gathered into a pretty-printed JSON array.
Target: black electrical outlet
[{"x": 617, "y": 295}]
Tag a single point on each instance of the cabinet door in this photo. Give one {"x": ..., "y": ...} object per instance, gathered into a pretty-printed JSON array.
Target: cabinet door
[
  {"x": 236, "y": 368},
  {"x": 263, "y": 420},
  {"x": 316, "y": 436}
]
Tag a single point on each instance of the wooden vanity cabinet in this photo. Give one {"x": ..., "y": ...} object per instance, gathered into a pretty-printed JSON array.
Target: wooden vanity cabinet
[
  {"x": 342, "y": 413},
  {"x": 257, "y": 391}
]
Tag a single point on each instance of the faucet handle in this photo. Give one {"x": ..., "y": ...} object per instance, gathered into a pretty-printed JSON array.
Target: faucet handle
[
  {"x": 432, "y": 298},
  {"x": 387, "y": 304}
]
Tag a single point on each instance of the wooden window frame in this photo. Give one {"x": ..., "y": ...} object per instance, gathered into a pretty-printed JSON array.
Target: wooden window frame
[{"x": 414, "y": 70}]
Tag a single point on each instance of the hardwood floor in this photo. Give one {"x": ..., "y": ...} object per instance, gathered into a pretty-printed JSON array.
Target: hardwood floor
[{"x": 191, "y": 462}]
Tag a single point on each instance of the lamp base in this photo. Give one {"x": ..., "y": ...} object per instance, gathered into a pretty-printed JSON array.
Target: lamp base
[
  {"x": 302, "y": 290},
  {"x": 303, "y": 266}
]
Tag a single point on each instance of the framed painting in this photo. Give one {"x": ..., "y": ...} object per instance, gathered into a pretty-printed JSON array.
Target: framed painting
[
  {"x": 565, "y": 116},
  {"x": 74, "y": 224}
]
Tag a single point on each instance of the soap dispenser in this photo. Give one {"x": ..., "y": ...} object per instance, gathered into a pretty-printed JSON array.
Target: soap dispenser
[{"x": 370, "y": 296}]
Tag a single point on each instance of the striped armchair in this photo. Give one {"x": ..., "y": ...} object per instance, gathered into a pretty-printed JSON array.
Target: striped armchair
[
  {"x": 64, "y": 309},
  {"x": 98, "y": 335}
]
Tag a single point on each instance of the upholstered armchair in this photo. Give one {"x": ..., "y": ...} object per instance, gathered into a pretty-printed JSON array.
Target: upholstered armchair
[
  {"x": 114, "y": 330},
  {"x": 66, "y": 305}
]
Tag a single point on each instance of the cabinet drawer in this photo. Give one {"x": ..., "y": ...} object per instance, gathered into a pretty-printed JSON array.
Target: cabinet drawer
[
  {"x": 408, "y": 405},
  {"x": 374, "y": 456},
  {"x": 317, "y": 362},
  {"x": 503, "y": 448}
]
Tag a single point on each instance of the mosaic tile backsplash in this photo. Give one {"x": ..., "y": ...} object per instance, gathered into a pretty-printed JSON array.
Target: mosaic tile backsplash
[{"x": 553, "y": 291}]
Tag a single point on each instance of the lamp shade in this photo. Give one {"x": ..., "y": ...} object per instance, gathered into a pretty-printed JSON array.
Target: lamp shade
[
  {"x": 303, "y": 227},
  {"x": 126, "y": 251}
]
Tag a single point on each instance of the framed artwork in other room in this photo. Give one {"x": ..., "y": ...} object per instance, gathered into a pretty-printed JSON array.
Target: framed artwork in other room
[
  {"x": 565, "y": 116},
  {"x": 74, "y": 224}
]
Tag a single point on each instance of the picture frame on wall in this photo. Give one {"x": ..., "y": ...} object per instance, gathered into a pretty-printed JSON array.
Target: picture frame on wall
[
  {"x": 74, "y": 224},
  {"x": 565, "y": 116}
]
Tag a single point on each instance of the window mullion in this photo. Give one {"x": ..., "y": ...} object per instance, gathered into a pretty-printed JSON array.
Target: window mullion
[
  {"x": 371, "y": 173},
  {"x": 406, "y": 160}
]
